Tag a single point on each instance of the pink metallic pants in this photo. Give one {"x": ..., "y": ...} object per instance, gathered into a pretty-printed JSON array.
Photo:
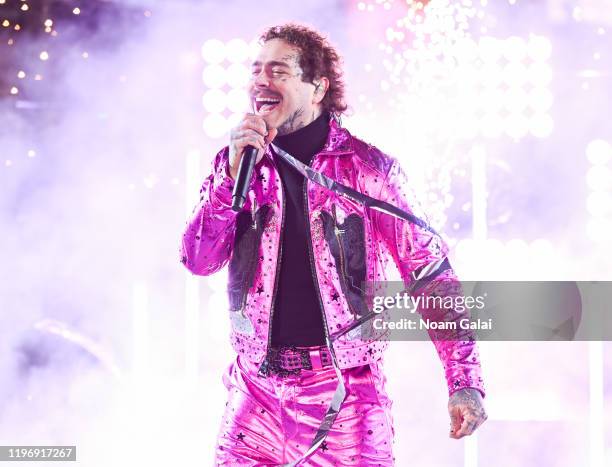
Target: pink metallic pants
[{"x": 272, "y": 421}]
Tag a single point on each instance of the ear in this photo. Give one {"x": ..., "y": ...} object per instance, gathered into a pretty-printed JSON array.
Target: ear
[{"x": 321, "y": 87}]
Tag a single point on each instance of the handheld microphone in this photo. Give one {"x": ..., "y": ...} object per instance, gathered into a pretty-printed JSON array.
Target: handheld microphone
[{"x": 243, "y": 180}]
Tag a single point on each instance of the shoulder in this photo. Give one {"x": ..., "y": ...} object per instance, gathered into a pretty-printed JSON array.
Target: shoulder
[{"x": 370, "y": 155}]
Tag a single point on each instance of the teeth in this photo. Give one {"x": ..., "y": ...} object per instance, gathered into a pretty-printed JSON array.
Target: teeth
[{"x": 266, "y": 99}]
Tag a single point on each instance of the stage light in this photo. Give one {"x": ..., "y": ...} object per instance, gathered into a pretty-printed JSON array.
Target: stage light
[
  {"x": 515, "y": 48},
  {"x": 21, "y": 74},
  {"x": 599, "y": 204},
  {"x": 215, "y": 125},
  {"x": 254, "y": 48},
  {"x": 237, "y": 75},
  {"x": 466, "y": 50},
  {"x": 76, "y": 11},
  {"x": 539, "y": 74},
  {"x": 213, "y": 51},
  {"x": 491, "y": 75},
  {"x": 599, "y": 230},
  {"x": 599, "y": 178},
  {"x": 541, "y": 125},
  {"x": 234, "y": 119},
  {"x": 467, "y": 128},
  {"x": 14, "y": 90},
  {"x": 214, "y": 100},
  {"x": 238, "y": 100},
  {"x": 515, "y": 74},
  {"x": 44, "y": 56},
  {"x": 237, "y": 51},
  {"x": 599, "y": 152},
  {"x": 515, "y": 99},
  {"x": 516, "y": 126},
  {"x": 491, "y": 125},
  {"x": 489, "y": 49},
  {"x": 540, "y": 99},
  {"x": 214, "y": 76},
  {"x": 48, "y": 23}
]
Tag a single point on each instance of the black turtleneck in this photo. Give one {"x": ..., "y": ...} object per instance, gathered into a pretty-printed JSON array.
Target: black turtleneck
[{"x": 297, "y": 318}]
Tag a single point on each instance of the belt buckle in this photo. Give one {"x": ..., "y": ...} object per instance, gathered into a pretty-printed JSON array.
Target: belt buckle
[{"x": 291, "y": 359}]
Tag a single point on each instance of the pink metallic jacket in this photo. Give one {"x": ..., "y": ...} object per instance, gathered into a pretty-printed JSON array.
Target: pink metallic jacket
[{"x": 348, "y": 244}]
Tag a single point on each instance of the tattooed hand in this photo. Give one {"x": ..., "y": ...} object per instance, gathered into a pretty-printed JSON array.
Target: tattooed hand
[{"x": 466, "y": 412}]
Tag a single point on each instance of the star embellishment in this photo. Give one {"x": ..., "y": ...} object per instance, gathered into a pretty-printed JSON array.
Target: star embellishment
[
  {"x": 260, "y": 289},
  {"x": 335, "y": 296},
  {"x": 241, "y": 436},
  {"x": 324, "y": 446}
]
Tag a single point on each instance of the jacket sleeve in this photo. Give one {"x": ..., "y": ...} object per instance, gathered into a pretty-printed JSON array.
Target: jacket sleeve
[
  {"x": 209, "y": 233},
  {"x": 417, "y": 252}
]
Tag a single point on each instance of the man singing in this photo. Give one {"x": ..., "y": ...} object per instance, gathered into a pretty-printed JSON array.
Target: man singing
[{"x": 302, "y": 388}]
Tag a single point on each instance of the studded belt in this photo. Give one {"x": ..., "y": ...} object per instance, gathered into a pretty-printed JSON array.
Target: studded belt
[{"x": 290, "y": 360}]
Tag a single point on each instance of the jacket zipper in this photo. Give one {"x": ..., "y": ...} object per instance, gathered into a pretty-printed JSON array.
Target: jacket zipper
[
  {"x": 310, "y": 256},
  {"x": 278, "y": 263}
]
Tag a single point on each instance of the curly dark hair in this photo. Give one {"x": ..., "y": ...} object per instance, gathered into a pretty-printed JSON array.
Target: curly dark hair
[{"x": 317, "y": 58}]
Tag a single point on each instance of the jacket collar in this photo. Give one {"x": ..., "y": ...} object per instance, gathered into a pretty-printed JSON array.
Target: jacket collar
[{"x": 339, "y": 140}]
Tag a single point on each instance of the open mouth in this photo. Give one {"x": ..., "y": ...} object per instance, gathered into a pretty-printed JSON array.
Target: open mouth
[{"x": 265, "y": 105}]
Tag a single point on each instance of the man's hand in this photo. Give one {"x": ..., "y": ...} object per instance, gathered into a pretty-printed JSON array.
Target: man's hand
[
  {"x": 251, "y": 131},
  {"x": 466, "y": 412}
]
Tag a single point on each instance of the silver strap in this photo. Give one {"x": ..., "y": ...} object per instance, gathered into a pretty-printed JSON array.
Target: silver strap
[
  {"x": 424, "y": 274},
  {"x": 368, "y": 201},
  {"x": 330, "y": 416}
]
